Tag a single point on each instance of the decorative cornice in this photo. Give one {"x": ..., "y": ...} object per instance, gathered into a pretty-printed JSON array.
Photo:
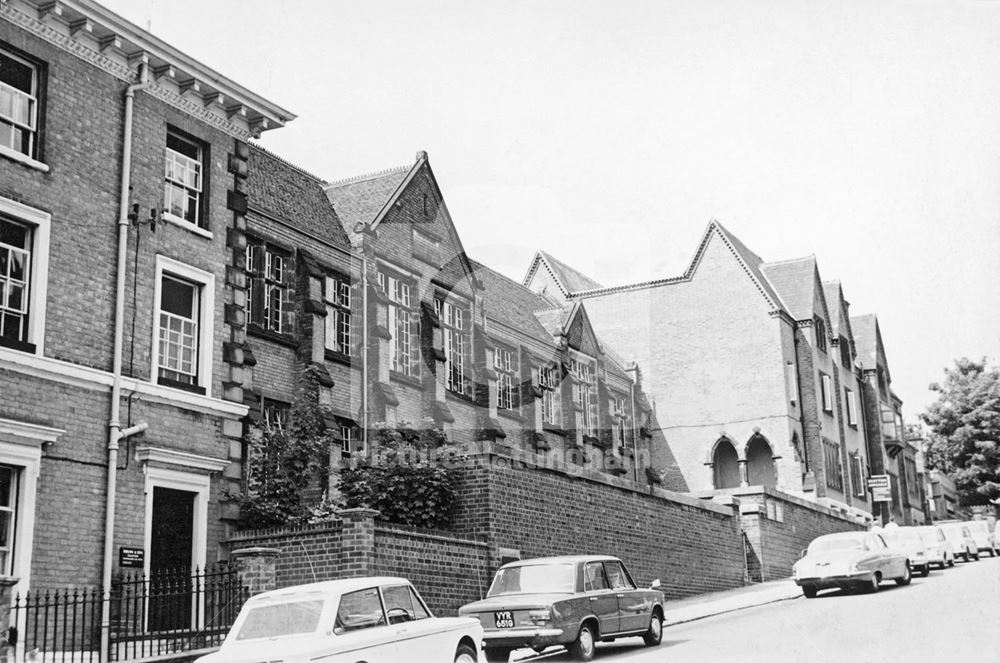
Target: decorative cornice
[
  {"x": 181, "y": 458},
  {"x": 21, "y": 429}
]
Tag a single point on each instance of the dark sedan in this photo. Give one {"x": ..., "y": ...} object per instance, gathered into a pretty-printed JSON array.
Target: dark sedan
[{"x": 570, "y": 601}]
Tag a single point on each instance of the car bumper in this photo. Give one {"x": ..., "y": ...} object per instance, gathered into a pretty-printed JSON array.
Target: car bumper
[
  {"x": 843, "y": 581},
  {"x": 524, "y": 637}
]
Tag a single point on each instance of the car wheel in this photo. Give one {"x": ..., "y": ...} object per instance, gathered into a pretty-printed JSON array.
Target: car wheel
[
  {"x": 872, "y": 585},
  {"x": 654, "y": 634},
  {"x": 951, "y": 562},
  {"x": 965, "y": 557},
  {"x": 809, "y": 592},
  {"x": 497, "y": 654},
  {"x": 906, "y": 578},
  {"x": 925, "y": 570},
  {"x": 582, "y": 649},
  {"x": 975, "y": 556},
  {"x": 466, "y": 654}
]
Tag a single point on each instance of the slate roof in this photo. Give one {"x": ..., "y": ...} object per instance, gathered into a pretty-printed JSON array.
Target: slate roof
[
  {"x": 866, "y": 339},
  {"x": 290, "y": 194},
  {"x": 753, "y": 261},
  {"x": 360, "y": 199},
  {"x": 795, "y": 281},
  {"x": 510, "y": 302},
  {"x": 571, "y": 279},
  {"x": 554, "y": 319},
  {"x": 834, "y": 294}
]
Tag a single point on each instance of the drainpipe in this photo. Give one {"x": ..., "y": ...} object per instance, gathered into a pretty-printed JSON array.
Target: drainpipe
[
  {"x": 635, "y": 434},
  {"x": 364, "y": 350},
  {"x": 802, "y": 405},
  {"x": 116, "y": 433}
]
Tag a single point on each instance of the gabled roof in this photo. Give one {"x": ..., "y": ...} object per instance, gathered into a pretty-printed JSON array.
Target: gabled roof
[
  {"x": 553, "y": 320},
  {"x": 749, "y": 260},
  {"x": 290, "y": 194},
  {"x": 795, "y": 280},
  {"x": 510, "y": 303},
  {"x": 567, "y": 278},
  {"x": 840, "y": 323},
  {"x": 362, "y": 199},
  {"x": 868, "y": 342}
]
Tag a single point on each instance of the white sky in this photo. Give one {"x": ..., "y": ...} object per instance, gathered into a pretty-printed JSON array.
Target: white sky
[{"x": 610, "y": 133}]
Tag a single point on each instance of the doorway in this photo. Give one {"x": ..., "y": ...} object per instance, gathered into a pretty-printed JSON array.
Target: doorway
[{"x": 171, "y": 559}]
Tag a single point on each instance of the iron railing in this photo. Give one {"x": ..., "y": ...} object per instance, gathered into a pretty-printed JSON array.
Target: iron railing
[{"x": 163, "y": 613}]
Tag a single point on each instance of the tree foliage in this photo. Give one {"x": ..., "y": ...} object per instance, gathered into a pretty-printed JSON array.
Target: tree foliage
[
  {"x": 286, "y": 460},
  {"x": 411, "y": 479},
  {"x": 965, "y": 429}
]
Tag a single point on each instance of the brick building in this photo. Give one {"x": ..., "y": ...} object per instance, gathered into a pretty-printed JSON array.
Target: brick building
[
  {"x": 750, "y": 366},
  {"x": 116, "y": 317},
  {"x": 454, "y": 344}
]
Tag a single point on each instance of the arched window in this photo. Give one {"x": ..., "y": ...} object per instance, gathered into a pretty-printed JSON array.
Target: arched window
[
  {"x": 760, "y": 462},
  {"x": 725, "y": 465}
]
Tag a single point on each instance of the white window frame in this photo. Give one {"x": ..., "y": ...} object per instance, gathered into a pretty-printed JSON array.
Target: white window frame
[
  {"x": 858, "y": 462},
  {"x": 338, "y": 314},
  {"x": 32, "y": 126},
  {"x": 792, "y": 380},
  {"x": 21, "y": 447},
  {"x": 456, "y": 333},
  {"x": 550, "y": 394},
  {"x": 504, "y": 365},
  {"x": 401, "y": 321},
  {"x": 585, "y": 390},
  {"x": 206, "y": 325},
  {"x": 41, "y": 223},
  {"x": 826, "y": 392},
  {"x": 852, "y": 407},
  {"x": 168, "y": 153}
]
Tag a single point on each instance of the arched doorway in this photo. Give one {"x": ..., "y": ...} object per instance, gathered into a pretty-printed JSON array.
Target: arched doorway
[
  {"x": 725, "y": 465},
  {"x": 760, "y": 463}
]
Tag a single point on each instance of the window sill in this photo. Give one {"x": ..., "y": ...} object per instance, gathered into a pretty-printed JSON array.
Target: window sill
[
  {"x": 282, "y": 339},
  {"x": 186, "y": 225},
  {"x": 20, "y": 346},
  {"x": 14, "y": 155},
  {"x": 453, "y": 395},
  {"x": 511, "y": 414},
  {"x": 336, "y": 356},
  {"x": 408, "y": 380},
  {"x": 173, "y": 384},
  {"x": 549, "y": 428}
]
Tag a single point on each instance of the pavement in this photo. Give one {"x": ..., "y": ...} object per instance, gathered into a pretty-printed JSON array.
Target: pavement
[{"x": 717, "y": 603}]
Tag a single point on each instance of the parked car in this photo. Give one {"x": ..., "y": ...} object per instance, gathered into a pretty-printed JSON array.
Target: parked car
[
  {"x": 939, "y": 550},
  {"x": 377, "y": 620},
  {"x": 981, "y": 534},
  {"x": 849, "y": 560},
  {"x": 569, "y": 601},
  {"x": 961, "y": 540},
  {"x": 908, "y": 541}
]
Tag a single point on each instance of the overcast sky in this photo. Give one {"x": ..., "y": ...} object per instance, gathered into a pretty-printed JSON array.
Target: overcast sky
[{"x": 610, "y": 133}]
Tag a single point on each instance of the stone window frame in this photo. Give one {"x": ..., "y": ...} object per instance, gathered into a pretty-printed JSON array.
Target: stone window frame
[
  {"x": 339, "y": 336},
  {"x": 270, "y": 268},
  {"x": 819, "y": 327},
  {"x": 36, "y": 100},
  {"x": 205, "y": 282},
  {"x": 585, "y": 389},
  {"x": 455, "y": 317},
  {"x": 548, "y": 382},
  {"x": 858, "y": 475},
  {"x": 792, "y": 380},
  {"x": 834, "y": 473},
  {"x": 826, "y": 392},
  {"x": 851, "y": 401},
  {"x": 505, "y": 365},
  {"x": 40, "y": 224},
  {"x": 622, "y": 419},
  {"x": 177, "y": 166},
  {"x": 403, "y": 321}
]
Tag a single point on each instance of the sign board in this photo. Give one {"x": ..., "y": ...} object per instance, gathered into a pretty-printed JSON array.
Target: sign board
[
  {"x": 131, "y": 558},
  {"x": 879, "y": 485}
]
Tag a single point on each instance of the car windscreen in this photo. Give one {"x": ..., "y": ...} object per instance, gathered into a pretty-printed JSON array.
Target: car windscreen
[
  {"x": 534, "y": 579},
  {"x": 271, "y": 621},
  {"x": 901, "y": 537},
  {"x": 829, "y": 545},
  {"x": 929, "y": 537}
]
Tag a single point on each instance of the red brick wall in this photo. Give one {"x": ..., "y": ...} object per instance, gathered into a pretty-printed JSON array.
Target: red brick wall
[
  {"x": 778, "y": 543},
  {"x": 692, "y": 547}
]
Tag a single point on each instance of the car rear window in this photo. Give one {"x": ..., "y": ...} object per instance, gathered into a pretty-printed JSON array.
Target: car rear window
[
  {"x": 534, "y": 579},
  {"x": 271, "y": 621},
  {"x": 824, "y": 545}
]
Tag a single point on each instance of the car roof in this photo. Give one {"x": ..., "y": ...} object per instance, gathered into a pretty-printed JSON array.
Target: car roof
[
  {"x": 565, "y": 559},
  {"x": 328, "y": 587},
  {"x": 840, "y": 535}
]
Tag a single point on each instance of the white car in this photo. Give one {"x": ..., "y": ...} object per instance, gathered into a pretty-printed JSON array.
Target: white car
[
  {"x": 376, "y": 620},
  {"x": 908, "y": 541},
  {"x": 939, "y": 549},
  {"x": 981, "y": 534}
]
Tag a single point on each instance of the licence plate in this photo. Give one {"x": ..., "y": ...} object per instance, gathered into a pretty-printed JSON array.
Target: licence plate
[{"x": 503, "y": 619}]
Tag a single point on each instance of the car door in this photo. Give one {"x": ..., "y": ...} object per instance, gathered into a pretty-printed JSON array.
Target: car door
[
  {"x": 603, "y": 602},
  {"x": 361, "y": 630},
  {"x": 418, "y": 636},
  {"x": 893, "y": 561},
  {"x": 632, "y": 604}
]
